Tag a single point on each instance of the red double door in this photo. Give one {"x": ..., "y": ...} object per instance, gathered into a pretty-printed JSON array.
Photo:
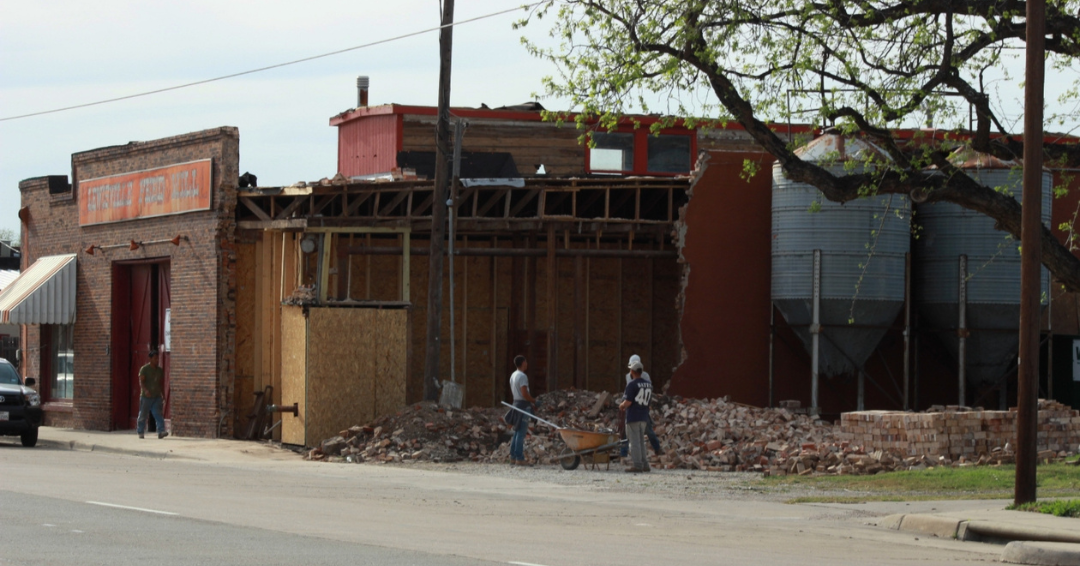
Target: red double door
[{"x": 141, "y": 298}]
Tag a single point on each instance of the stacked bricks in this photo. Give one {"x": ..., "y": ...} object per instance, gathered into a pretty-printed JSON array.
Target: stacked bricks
[{"x": 957, "y": 431}]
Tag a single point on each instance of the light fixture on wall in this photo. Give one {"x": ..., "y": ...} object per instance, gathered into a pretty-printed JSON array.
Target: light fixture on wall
[{"x": 133, "y": 245}]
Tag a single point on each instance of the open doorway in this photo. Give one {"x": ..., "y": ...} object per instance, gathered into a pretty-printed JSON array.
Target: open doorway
[{"x": 141, "y": 307}]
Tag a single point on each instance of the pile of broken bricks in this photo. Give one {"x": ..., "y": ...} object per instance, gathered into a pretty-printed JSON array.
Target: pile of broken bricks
[{"x": 710, "y": 435}]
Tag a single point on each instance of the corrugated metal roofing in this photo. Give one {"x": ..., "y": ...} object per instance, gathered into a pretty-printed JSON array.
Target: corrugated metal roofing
[
  {"x": 43, "y": 294},
  {"x": 7, "y": 276}
]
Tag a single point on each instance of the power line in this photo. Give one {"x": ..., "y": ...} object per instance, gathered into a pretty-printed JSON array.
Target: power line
[{"x": 279, "y": 65}]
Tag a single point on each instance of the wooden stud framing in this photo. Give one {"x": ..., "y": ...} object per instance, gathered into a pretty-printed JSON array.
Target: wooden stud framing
[{"x": 553, "y": 312}]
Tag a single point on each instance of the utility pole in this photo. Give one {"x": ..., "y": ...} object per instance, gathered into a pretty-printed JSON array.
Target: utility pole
[
  {"x": 438, "y": 207},
  {"x": 1030, "y": 256}
]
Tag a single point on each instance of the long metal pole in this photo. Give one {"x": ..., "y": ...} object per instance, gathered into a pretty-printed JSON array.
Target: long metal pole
[
  {"x": 907, "y": 331},
  {"x": 815, "y": 332},
  {"x": 438, "y": 212},
  {"x": 962, "y": 333},
  {"x": 772, "y": 350},
  {"x": 1030, "y": 256}
]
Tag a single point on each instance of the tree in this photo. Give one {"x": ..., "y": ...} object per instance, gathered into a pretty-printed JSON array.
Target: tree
[
  {"x": 874, "y": 65},
  {"x": 9, "y": 235}
]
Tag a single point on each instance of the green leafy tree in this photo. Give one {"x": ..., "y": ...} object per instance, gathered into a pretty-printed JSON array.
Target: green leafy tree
[{"x": 866, "y": 66}]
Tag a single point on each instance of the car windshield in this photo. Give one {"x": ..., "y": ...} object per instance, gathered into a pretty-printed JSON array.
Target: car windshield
[{"x": 8, "y": 375}]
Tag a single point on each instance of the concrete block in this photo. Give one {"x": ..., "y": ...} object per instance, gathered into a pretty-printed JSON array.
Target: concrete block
[
  {"x": 1042, "y": 553},
  {"x": 934, "y": 525}
]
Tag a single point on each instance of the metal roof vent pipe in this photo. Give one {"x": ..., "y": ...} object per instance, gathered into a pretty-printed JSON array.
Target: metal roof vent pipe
[{"x": 361, "y": 91}]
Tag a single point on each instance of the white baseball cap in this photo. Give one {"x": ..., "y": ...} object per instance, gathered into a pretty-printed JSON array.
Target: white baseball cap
[
  {"x": 634, "y": 358},
  {"x": 636, "y": 366}
]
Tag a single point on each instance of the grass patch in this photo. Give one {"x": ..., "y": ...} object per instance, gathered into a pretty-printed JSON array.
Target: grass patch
[
  {"x": 975, "y": 482},
  {"x": 1059, "y": 508}
]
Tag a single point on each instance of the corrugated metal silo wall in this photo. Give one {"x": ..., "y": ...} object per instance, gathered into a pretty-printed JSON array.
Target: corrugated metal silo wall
[
  {"x": 369, "y": 145},
  {"x": 725, "y": 315},
  {"x": 993, "y": 277},
  {"x": 863, "y": 245}
]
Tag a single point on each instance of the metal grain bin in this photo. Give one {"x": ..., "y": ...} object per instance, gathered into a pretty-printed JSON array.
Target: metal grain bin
[
  {"x": 946, "y": 232},
  {"x": 854, "y": 316}
]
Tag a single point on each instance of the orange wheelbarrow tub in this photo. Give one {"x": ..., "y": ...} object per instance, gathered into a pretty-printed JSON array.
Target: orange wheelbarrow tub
[{"x": 596, "y": 445}]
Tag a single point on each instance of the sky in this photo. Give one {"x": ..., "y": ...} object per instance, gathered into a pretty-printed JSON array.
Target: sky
[
  {"x": 63, "y": 52},
  {"x": 60, "y": 53}
]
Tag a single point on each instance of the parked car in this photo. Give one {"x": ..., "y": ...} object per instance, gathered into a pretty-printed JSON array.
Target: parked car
[{"x": 20, "y": 406}]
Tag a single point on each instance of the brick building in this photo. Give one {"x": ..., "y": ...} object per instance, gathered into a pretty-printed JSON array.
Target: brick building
[{"x": 148, "y": 230}]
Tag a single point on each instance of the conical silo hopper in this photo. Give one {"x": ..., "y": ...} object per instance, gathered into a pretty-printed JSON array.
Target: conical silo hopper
[
  {"x": 861, "y": 246},
  {"x": 985, "y": 343}
]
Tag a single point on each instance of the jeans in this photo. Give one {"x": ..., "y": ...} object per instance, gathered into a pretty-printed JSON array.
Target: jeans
[
  {"x": 517, "y": 444},
  {"x": 151, "y": 406},
  {"x": 635, "y": 432},
  {"x": 653, "y": 440}
]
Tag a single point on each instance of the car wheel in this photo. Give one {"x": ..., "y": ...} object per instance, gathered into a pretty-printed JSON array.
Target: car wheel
[{"x": 29, "y": 438}]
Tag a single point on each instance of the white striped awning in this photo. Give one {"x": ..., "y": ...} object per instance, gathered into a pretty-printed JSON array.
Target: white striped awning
[{"x": 43, "y": 294}]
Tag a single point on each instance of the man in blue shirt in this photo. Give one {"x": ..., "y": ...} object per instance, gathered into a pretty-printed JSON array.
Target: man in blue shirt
[{"x": 636, "y": 400}]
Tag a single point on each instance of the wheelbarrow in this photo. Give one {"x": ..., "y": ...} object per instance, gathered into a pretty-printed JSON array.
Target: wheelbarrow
[{"x": 596, "y": 446}]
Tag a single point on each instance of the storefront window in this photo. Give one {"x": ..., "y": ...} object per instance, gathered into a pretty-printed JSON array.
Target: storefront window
[{"x": 63, "y": 361}]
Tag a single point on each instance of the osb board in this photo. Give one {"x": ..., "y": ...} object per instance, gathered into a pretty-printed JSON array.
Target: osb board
[
  {"x": 356, "y": 367},
  {"x": 389, "y": 363},
  {"x": 245, "y": 310},
  {"x": 294, "y": 373}
]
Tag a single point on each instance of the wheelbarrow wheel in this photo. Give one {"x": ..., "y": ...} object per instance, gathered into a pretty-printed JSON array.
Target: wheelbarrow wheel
[{"x": 570, "y": 461}]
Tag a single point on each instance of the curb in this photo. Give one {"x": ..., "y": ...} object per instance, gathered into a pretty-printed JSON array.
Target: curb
[
  {"x": 933, "y": 525},
  {"x": 982, "y": 530},
  {"x": 82, "y": 447},
  {"x": 1042, "y": 553}
]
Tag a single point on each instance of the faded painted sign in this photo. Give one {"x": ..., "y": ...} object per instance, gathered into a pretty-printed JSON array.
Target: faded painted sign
[{"x": 173, "y": 189}]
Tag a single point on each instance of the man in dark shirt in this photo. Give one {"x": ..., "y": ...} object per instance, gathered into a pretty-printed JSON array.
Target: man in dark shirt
[
  {"x": 151, "y": 382},
  {"x": 636, "y": 400}
]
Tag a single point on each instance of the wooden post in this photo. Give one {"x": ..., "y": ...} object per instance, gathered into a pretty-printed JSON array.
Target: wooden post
[
  {"x": 619, "y": 360},
  {"x": 530, "y": 304},
  {"x": 367, "y": 271},
  {"x": 552, "y": 312},
  {"x": 1030, "y": 256},
  {"x": 438, "y": 207}
]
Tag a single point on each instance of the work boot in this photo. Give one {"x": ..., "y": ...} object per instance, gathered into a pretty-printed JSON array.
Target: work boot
[
  {"x": 162, "y": 435},
  {"x": 633, "y": 470},
  {"x": 141, "y": 435}
]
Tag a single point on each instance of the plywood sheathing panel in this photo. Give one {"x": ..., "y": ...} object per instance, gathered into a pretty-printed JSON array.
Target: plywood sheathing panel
[
  {"x": 293, "y": 373},
  {"x": 356, "y": 367}
]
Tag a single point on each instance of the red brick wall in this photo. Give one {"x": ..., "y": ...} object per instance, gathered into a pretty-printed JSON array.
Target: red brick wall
[{"x": 203, "y": 280}]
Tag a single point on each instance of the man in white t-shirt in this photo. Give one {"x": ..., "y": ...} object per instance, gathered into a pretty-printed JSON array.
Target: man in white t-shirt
[
  {"x": 649, "y": 432},
  {"x": 519, "y": 387}
]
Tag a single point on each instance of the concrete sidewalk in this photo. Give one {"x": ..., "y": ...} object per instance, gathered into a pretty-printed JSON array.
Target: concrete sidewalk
[
  {"x": 129, "y": 443},
  {"x": 1031, "y": 538}
]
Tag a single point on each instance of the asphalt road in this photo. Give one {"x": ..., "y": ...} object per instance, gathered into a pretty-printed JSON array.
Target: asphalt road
[
  {"x": 46, "y": 531},
  {"x": 294, "y": 512}
]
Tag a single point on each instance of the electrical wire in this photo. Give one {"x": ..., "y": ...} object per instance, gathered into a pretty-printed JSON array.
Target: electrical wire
[{"x": 277, "y": 66}]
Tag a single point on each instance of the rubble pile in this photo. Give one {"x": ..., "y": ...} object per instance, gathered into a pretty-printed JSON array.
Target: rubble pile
[
  {"x": 423, "y": 431},
  {"x": 710, "y": 435}
]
